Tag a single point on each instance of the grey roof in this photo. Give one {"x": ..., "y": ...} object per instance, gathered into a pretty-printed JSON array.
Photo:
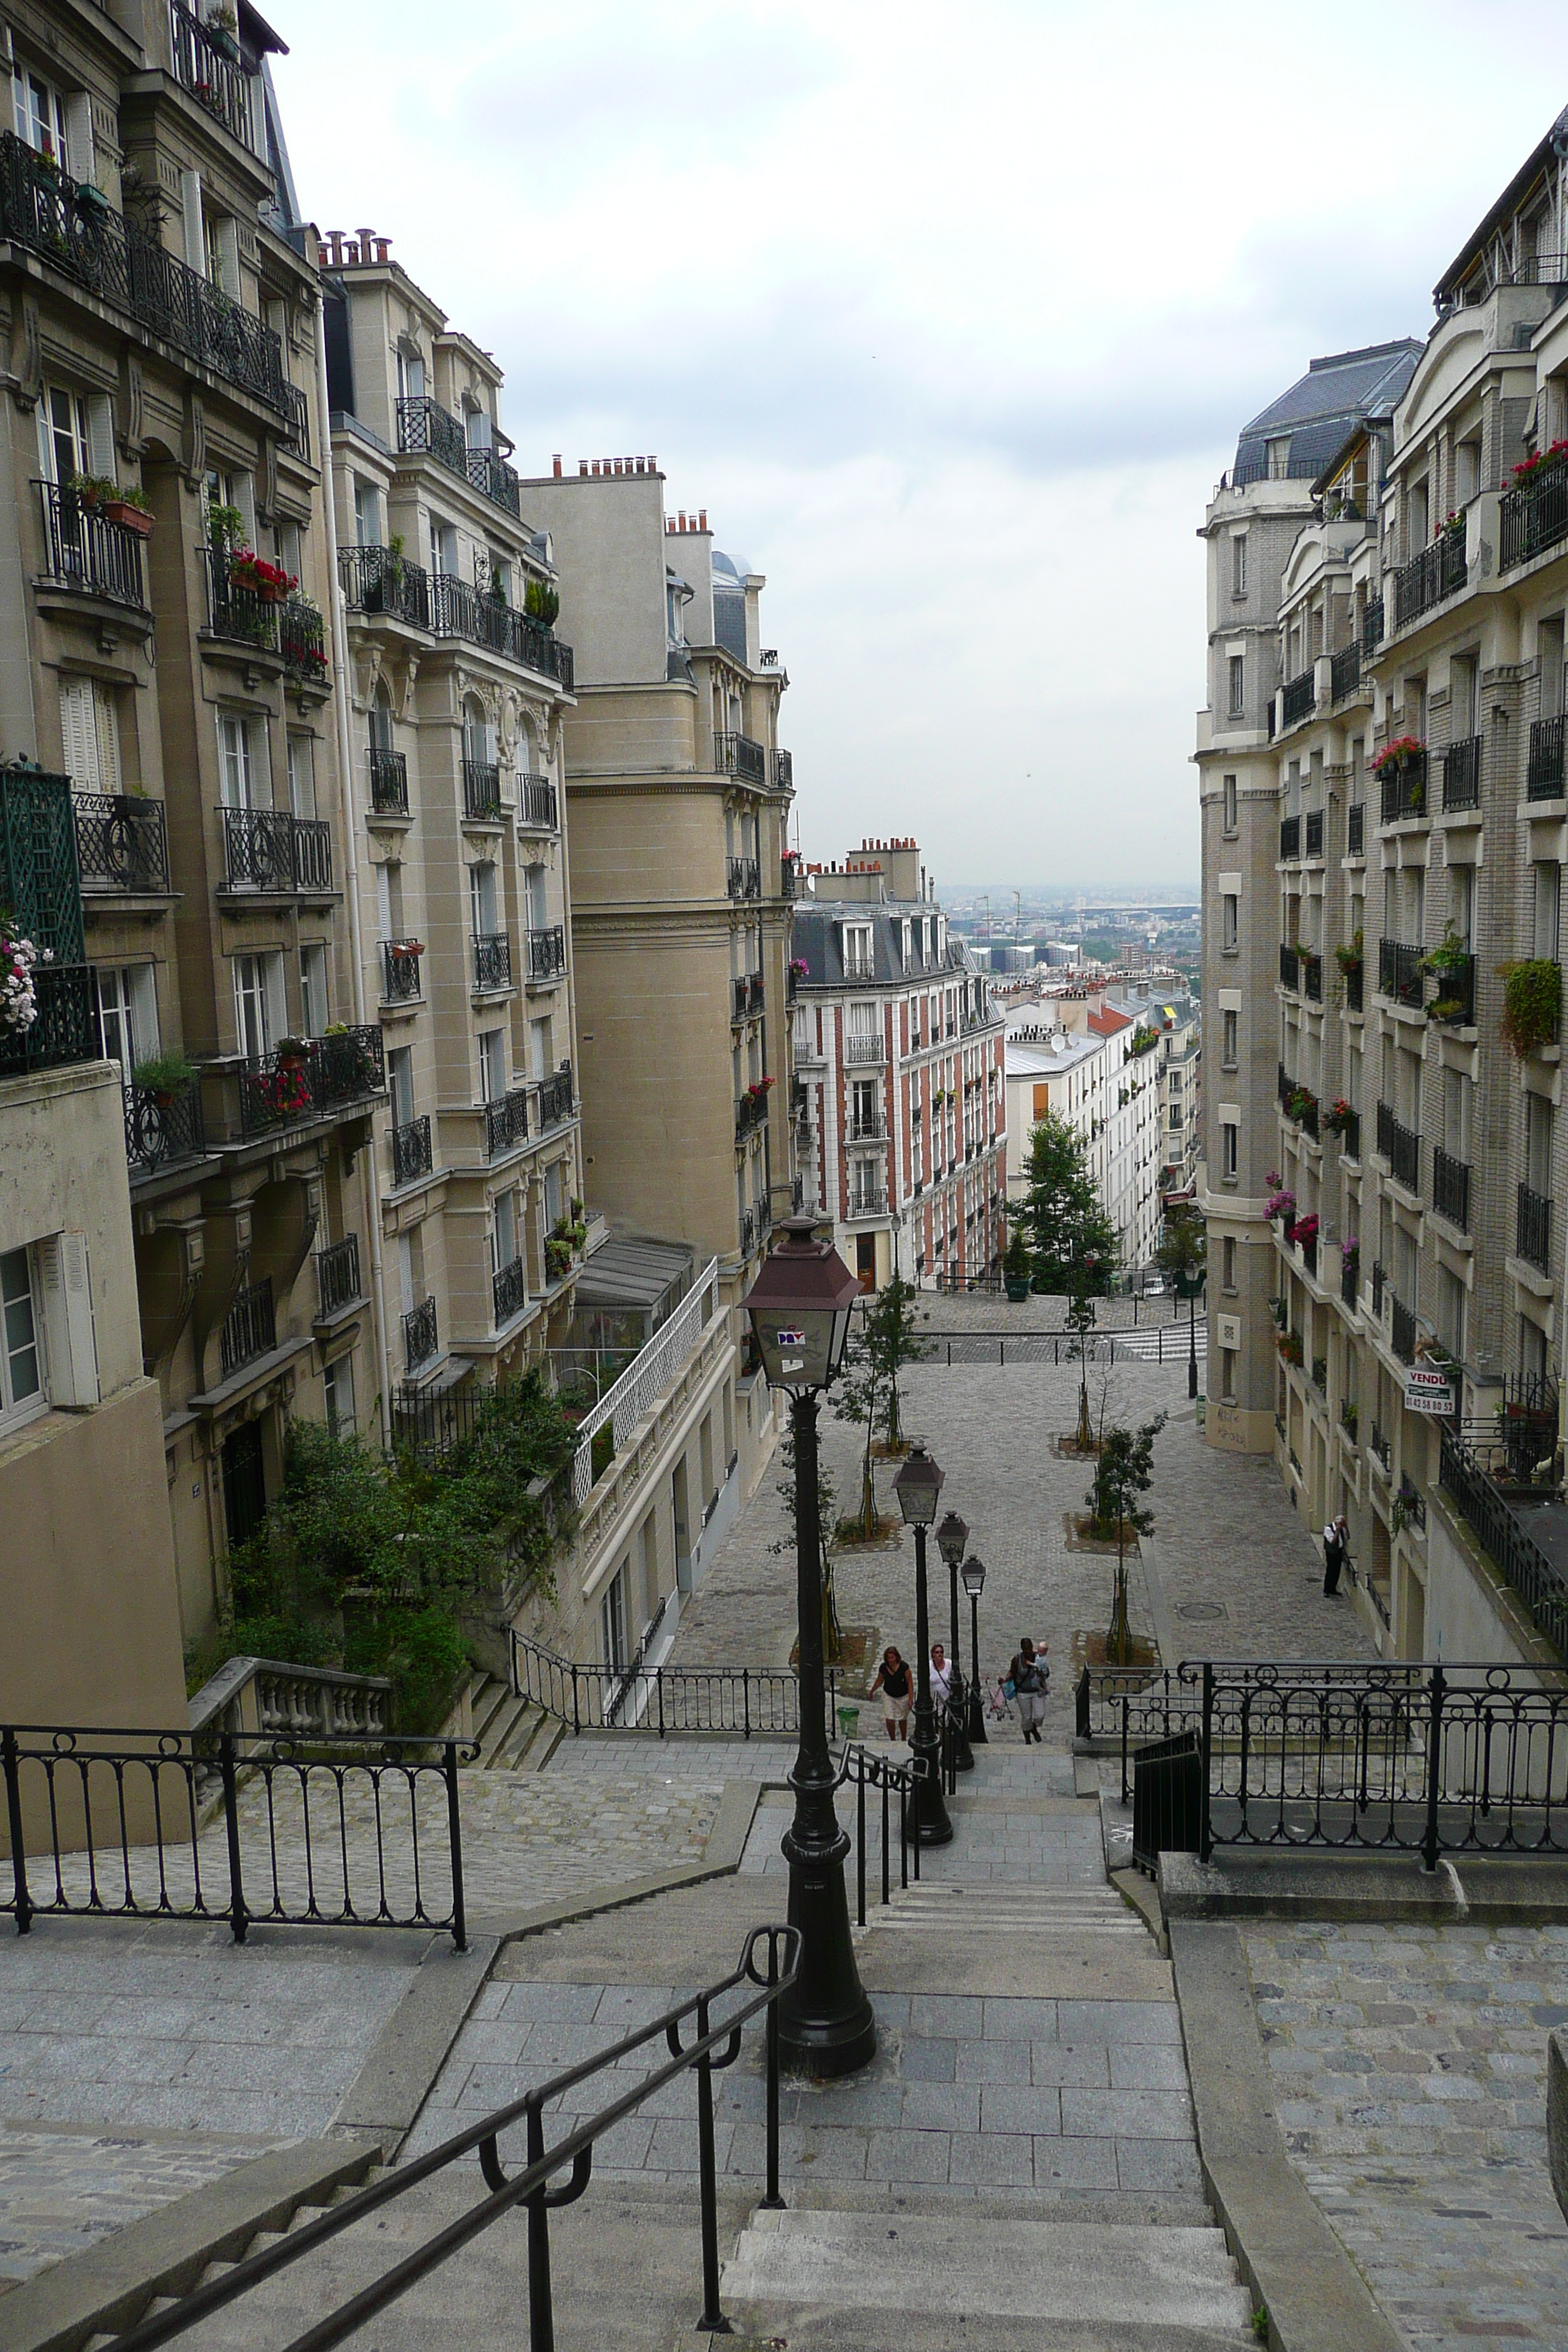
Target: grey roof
[
  {"x": 649, "y": 1276},
  {"x": 1322, "y": 407},
  {"x": 816, "y": 940}
]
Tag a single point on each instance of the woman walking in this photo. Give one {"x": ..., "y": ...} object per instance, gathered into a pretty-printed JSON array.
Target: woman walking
[
  {"x": 897, "y": 1684},
  {"x": 1030, "y": 1677}
]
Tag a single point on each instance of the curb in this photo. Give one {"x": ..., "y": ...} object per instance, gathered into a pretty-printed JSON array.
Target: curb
[
  {"x": 1316, "y": 2299},
  {"x": 411, "y": 2049},
  {"x": 1497, "y": 1890}
]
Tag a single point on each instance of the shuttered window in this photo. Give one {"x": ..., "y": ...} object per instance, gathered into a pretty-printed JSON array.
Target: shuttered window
[{"x": 89, "y": 735}]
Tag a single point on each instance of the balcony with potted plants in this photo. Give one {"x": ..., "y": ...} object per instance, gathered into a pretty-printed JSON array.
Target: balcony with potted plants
[
  {"x": 93, "y": 532},
  {"x": 163, "y": 1123},
  {"x": 1454, "y": 969},
  {"x": 751, "y": 1109},
  {"x": 299, "y": 1082},
  {"x": 206, "y": 57},
  {"x": 1400, "y": 772},
  {"x": 402, "y": 981},
  {"x": 1534, "y": 506},
  {"x": 1438, "y": 572}
]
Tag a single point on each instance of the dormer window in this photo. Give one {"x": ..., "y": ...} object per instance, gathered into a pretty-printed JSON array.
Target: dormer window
[
  {"x": 410, "y": 374},
  {"x": 859, "y": 962}
]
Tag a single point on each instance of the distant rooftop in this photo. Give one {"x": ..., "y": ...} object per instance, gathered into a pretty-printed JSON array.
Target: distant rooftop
[{"x": 1312, "y": 419}]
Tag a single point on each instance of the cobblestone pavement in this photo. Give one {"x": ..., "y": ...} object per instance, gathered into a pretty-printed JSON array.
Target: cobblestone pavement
[
  {"x": 60, "y": 2191},
  {"x": 1409, "y": 2064},
  {"x": 684, "y": 1757}
]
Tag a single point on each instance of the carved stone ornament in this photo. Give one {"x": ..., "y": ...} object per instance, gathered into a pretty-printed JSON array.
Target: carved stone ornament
[
  {"x": 27, "y": 354},
  {"x": 193, "y": 442}
]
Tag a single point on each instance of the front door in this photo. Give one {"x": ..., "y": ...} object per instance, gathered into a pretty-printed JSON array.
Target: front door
[
  {"x": 244, "y": 1482},
  {"x": 866, "y": 1260}
]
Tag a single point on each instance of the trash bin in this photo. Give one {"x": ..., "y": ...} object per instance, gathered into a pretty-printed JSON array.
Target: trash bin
[
  {"x": 849, "y": 1722},
  {"x": 1167, "y": 1799}
]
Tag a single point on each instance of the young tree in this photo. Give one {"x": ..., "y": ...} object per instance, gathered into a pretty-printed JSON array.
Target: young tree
[
  {"x": 1124, "y": 1470},
  {"x": 826, "y": 1520},
  {"x": 1072, "y": 1243},
  {"x": 1080, "y": 1323},
  {"x": 885, "y": 1338}
]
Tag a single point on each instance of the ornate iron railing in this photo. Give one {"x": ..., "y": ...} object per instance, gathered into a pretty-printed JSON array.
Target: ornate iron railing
[
  {"x": 458, "y": 609},
  {"x": 1401, "y": 972},
  {"x": 554, "y": 1098},
  {"x": 375, "y": 580},
  {"x": 1290, "y": 837},
  {"x": 400, "y": 961},
  {"x": 1313, "y": 836},
  {"x": 302, "y": 640},
  {"x": 492, "y": 960},
  {"x": 1451, "y": 1188},
  {"x": 337, "y": 1276},
  {"x": 783, "y": 766},
  {"x": 1312, "y": 978},
  {"x": 120, "y": 842},
  {"x": 536, "y": 809},
  {"x": 1355, "y": 830},
  {"x": 273, "y": 850},
  {"x": 753, "y": 1701},
  {"x": 547, "y": 952},
  {"x": 1544, "y": 773},
  {"x": 1344, "y": 673},
  {"x": 481, "y": 790},
  {"x": 234, "y": 613},
  {"x": 1400, "y": 1146},
  {"x": 1535, "y": 515},
  {"x": 212, "y": 77},
  {"x": 277, "y": 1088},
  {"x": 427, "y": 429},
  {"x": 1402, "y": 1330},
  {"x": 162, "y": 1129},
  {"x": 1524, "y": 1566},
  {"x": 89, "y": 242},
  {"x": 388, "y": 781},
  {"x": 1301, "y": 695},
  {"x": 1533, "y": 1228},
  {"x": 1349, "y": 1272},
  {"x": 1371, "y": 625},
  {"x": 647, "y": 1379},
  {"x": 509, "y": 1291},
  {"x": 750, "y": 1112},
  {"x": 249, "y": 1328},
  {"x": 420, "y": 1340},
  {"x": 411, "y": 1154},
  {"x": 82, "y": 549},
  {"x": 506, "y": 1122},
  {"x": 739, "y": 755},
  {"x": 1438, "y": 573},
  {"x": 743, "y": 878},
  {"x": 1402, "y": 790},
  {"x": 868, "y": 1201},
  {"x": 68, "y": 1027},
  {"x": 1462, "y": 774}
]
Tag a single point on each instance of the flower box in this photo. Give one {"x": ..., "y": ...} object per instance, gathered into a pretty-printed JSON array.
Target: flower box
[{"x": 129, "y": 518}]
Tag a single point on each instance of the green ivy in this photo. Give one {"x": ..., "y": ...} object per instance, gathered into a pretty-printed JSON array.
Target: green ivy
[{"x": 1531, "y": 1004}]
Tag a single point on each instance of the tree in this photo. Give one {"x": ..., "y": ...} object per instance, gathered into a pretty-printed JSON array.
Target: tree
[
  {"x": 1072, "y": 1245},
  {"x": 1182, "y": 1251},
  {"x": 885, "y": 1337},
  {"x": 1080, "y": 1323},
  {"x": 1124, "y": 1470},
  {"x": 826, "y": 1519}
]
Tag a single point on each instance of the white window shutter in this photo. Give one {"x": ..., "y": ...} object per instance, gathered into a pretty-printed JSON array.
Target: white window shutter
[
  {"x": 190, "y": 221},
  {"x": 275, "y": 1002},
  {"x": 79, "y": 733},
  {"x": 65, "y": 1279},
  {"x": 80, "y": 159},
  {"x": 106, "y": 731},
  {"x": 101, "y": 434}
]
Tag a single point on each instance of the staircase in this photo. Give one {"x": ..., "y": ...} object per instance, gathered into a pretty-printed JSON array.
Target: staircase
[{"x": 514, "y": 1735}]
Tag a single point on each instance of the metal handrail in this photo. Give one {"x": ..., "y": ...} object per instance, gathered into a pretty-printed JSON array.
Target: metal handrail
[{"x": 713, "y": 2048}]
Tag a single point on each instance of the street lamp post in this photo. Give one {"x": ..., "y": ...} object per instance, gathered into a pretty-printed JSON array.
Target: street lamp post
[
  {"x": 974, "y": 1585},
  {"x": 799, "y": 1306},
  {"x": 950, "y": 1538},
  {"x": 917, "y": 1485},
  {"x": 1188, "y": 1286}
]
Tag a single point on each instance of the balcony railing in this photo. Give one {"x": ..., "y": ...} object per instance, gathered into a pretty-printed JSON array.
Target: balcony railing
[
  {"x": 492, "y": 960},
  {"x": 1462, "y": 774},
  {"x": 1544, "y": 774},
  {"x": 162, "y": 1129},
  {"x": 740, "y": 998},
  {"x": 376, "y": 581},
  {"x": 82, "y": 549},
  {"x": 537, "y": 810},
  {"x": 1290, "y": 837},
  {"x": 302, "y": 640},
  {"x": 337, "y": 1276},
  {"x": 481, "y": 791},
  {"x": 1404, "y": 790},
  {"x": 1344, "y": 673},
  {"x": 1451, "y": 1188},
  {"x": 388, "y": 781},
  {"x": 411, "y": 1157},
  {"x": 1371, "y": 625},
  {"x": 864, "y": 1045},
  {"x": 297, "y": 405},
  {"x": 1535, "y": 515},
  {"x": 868, "y": 1200},
  {"x": 1355, "y": 830},
  {"x": 420, "y": 1340},
  {"x": 1312, "y": 978},
  {"x": 1348, "y": 1272},
  {"x": 1350, "y": 1135},
  {"x": 1523, "y": 1564},
  {"x": 425, "y": 429},
  {"x": 120, "y": 842},
  {"x": 1354, "y": 981},
  {"x": 1400, "y": 975},
  {"x": 738, "y": 755},
  {"x": 1290, "y": 972},
  {"x": 1401, "y": 1147},
  {"x": 238, "y": 615},
  {"x": 284, "y": 1089},
  {"x": 273, "y": 850},
  {"x": 1313, "y": 836},
  {"x": 743, "y": 878},
  {"x": 1300, "y": 694},
  {"x": 1438, "y": 571},
  {"x": 1533, "y": 1229},
  {"x": 97, "y": 248},
  {"x": 400, "y": 972},
  {"x": 211, "y": 76},
  {"x": 554, "y": 1103},
  {"x": 66, "y": 1028},
  {"x": 250, "y": 1328},
  {"x": 783, "y": 766},
  {"x": 509, "y": 1291},
  {"x": 1402, "y": 1330},
  {"x": 506, "y": 1123},
  {"x": 1379, "y": 1285},
  {"x": 1456, "y": 993},
  {"x": 868, "y": 1127},
  {"x": 547, "y": 952},
  {"x": 459, "y": 609}
]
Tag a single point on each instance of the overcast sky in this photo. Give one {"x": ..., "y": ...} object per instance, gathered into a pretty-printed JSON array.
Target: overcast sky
[{"x": 949, "y": 318}]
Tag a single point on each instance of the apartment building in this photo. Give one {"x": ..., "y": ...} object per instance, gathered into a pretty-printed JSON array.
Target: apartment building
[
  {"x": 164, "y": 451},
  {"x": 898, "y": 1094},
  {"x": 450, "y": 725},
  {"x": 1419, "y": 833},
  {"x": 1049, "y": 1069}
]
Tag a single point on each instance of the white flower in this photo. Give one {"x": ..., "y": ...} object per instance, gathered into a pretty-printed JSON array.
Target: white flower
[{"x": 19, "y": 997}]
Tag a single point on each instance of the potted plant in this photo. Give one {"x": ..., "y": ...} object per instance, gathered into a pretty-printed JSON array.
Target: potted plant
[
  {"x": 93, "y": 490},
  {"x": 1301, "y": 1104},
  {"x": 166, "y": 1077},
  {"x": 1349, "y": 1421},
  {"x": 1290, "y": 1346},
  {"x": 1338, "y": 1116},
  {"x": 226, "y": 527},
  {"x": 1531, "y": 1005},
  {"x": 1528, "y": 468},
  {"x": 252, "y": 573},
  {"x": 222, "y": 29},
  {"x": 132, "y": 509},
  {"x": 1015, "y": 1267},
  {"x": 1351, "y": 955},
  {"x": 90, "y": 201},
  {"x": 1280, "y": 1203},
  {"x": 1403, "y": 752},
  {"x": 1304, "y": 1230},
  {"x": 19, "y": 959},
  {"x": 541, "y": 602}
]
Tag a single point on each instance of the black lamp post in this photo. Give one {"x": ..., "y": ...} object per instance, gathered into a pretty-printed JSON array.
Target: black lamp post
[
  {"x": 974, "y": 1585},
  {"x": 1188, "y": 1286},
  {"x": 950, "y": 1538},
  {"x": 917, "y": 1485},
  {"x": 799, "y": 1306}
]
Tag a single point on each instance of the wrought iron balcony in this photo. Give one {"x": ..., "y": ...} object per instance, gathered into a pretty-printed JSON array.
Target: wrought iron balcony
[
  {"x": 788, "y": 878},
  {"x": 1312, "y": 978},
  {"x": 1535, "y": 515},
  {"x": 214, "y": 79},
  {"x": 163, "y": 1129},
  {"x": 1451, "y": 1188},
  {"x": 302, "y": 640},
  {"x": 1287, "y": 966},
  {"x": 1456, "y": 995},
  {"x": 509, "y": 1291},
  {"x": 1348, "y": 1276},
  {"x": 868, "y": 1200},
  {"x": 273, "y": 850},
  {"x": 1402, "y": 1330},
  {"x": 375, "y": 580},
  {"x": 250, "y": 1328},
  {"x": 1404, "y": 790},
  {"x": 1301, "y": 695},
  {"x": 237, "y": 614},
  {"x": 411, "y": 1155},
  {"x": 1353, "y": 988},
  {"x": 1290, "y": 837},
  {"x": 868, "y": 1127},
  {"x": 425, "y": 429},
  {"x": 1544, "y": 774},
  {"x": 298, "y": 408},
  {"x": 492, "y": 960},
  {"x": 1379, "y": 1283},
  {"x": 743, "y": 878},
  {"x": 1314, "y": 833},
  {"x": 87, "y": 241},
  {"x": 547, "y": 952},
  {"x": 748, "y": 1230},
  {"x": 1371, "y": 625},
  {"x": 506, "y": 1123},
  {"x": 1462, "y": 774},
  {"x": 337, "y": 1276},
  {"x": 1355, "y": 830},
  {"x": 82, "y": 549},
  {"x": 864, "y": 1045},
  {"x": 1533, "y": 1229},
  {"x": 1344, "y": 673},
  {"x": 1400, "y": 973},
  {"x": 1350, "y": 1135},
  {"x": 289, "y": 1088},
  {"x": 537, "y": 808},
  {"x": 401, "y": 980},
  {"x": 555, "y": 1094},
  {"x": 750, "y": 1112},
  {"x": 388, "y": 781},
  {"x": 738, "y": 755},
  {"x": 420, "y": 1340},
  {"x": 783, "y": 772},
  {"x": 481, "y": 791},
  {"x": 1401, "y": 1147},
  {"x": 740, "y": 998},
  {"x": 121, "y": 844},
  {"x": 1438, "y": 573},
  {"x": 459, "y": 609}
]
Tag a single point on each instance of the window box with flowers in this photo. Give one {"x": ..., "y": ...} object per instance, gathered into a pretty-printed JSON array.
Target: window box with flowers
[
  {"x": 1339, "y": 1117},
  {"x": 1400, "y": 769},
  {"x": 256, "y": 577},
  {"x": 1352, "y": 957},
  {"x": 1280, "y": 1203},
  {"x": 1527, "y": 473},
  {"x": 1303, "y": 1230},
  {"x": 1302, "y": 1104},
  {"x": 1290, "y": 1348}
]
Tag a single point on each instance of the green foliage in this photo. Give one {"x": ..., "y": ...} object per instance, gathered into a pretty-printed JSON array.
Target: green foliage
[
  {"x": 1182, "y": 1250},
  {"x": 1531, "y": 1004},
  {"x": 541, "y": 603},
  {"x": 1123, "y": 1470},
  {"x": 1017, "y": 1261},
  {"x": 164, "y": 1073},
  {"x": 225, "y": 528},
  {"x": 1072, "y": 1245}
]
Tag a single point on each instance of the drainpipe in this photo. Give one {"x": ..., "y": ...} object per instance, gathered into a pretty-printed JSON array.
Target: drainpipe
[{"x": 351, "y": 853}]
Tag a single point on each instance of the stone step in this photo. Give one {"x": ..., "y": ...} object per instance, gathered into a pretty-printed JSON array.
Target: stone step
[
  {"x": 802, "y": 2275},
  {"x": 948, "y": 1907}
]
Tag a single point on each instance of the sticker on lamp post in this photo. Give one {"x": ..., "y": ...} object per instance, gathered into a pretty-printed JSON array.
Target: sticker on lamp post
[{"x": 784, "y": 1342}]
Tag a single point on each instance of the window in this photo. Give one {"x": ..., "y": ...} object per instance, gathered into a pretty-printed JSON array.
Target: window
[
  {"x": 89, "y": 735},
  {"x": 128, "y": 998},
  {"x": 535, "y": 898},
  {"x": 1230, "y": 1023},
  {"x": 612, "y": 1622},
  {"x": 1227, "y": 1263},
  {"x": 554, "y": 1193},
  {"x": 1230, "y": 803},
  {"x": 367, "y": 513},
  {"x": 76, "y": 434},
  {"x": 410, "y": 375},
  {"x": 539, "y": 1048},
  {"x": 40, "y": 114},
  {"x": 503, "y": 1232},
  {"x": 313, "y": 1009},
  {"x": 303, "y": 775},
  {"x": 1229, "y": 922},
  {"x": 241, "y": 765},
  {"x": 1538, "y": 1143},
  {"x": 492, "y": 1065},
  {"x": 1239, "y": 564},
  {"x": 338, "y": 1380},
  {"x": 1548, "y": 892},
  {"x": 858, "y": 955},
  {"x": 1230, "y": 1156},
  {"x": 226, "y": 488},
  {"x": 259, "y": 1016},
  {"x": 482, "y": 901},
  {"x": 1236, "y": 670},
  {"x": 400, "y": 1089},
  {"x": 1175, "y": 1114},
  {"x": 1279, "y": 459},
  {"x": 1227, "y": 1375},
  {"x": 21, "y": 1349},
  {"x": 443, "y": 546},
  {"x": 1451, "y": 1312},
  {"x": 1552, "y": 668},
  {"x": 286, "y": 539}
]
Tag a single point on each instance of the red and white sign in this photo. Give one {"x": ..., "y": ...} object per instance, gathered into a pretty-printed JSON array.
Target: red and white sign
[{"x": 1426, "y": 1390}]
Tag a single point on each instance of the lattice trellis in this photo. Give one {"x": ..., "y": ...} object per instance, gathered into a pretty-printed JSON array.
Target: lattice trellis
[{"x": 39, "y": 883}]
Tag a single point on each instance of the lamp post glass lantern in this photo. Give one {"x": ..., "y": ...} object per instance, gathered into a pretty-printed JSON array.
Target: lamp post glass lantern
[
  {"x": 974, "y": 1585},
  {"x": 950, "y": 1538},
  {"x": 918, "y": 1485},
  {"x": 799, "y": 1308}
]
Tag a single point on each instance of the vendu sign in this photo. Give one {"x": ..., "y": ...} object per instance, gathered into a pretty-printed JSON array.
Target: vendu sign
[{"x": 1426, "y": 1390}]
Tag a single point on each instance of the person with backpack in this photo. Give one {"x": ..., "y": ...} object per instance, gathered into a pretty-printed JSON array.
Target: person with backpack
[{"x": 1030, "y": 1677}]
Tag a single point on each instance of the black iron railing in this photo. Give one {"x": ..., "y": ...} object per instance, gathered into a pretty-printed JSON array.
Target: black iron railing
[
  {"x": 1371, "y": 625},
  {"x": 114, "y": 1818},
  {"x": 754, "y": 1701},
  {"x": 1355, "y": 988},
  {"x": 1462, "y": 774},
  {"x": 277, "y": 1088},
  {"x": 871, "y": 1127},
  {"x": 375, "y": 580},
  {"x": 554, "y": 1098},
  {"x": 1544, "y": 773},
  {"x": 1349, "y": 1272},
  {"x": 1533, "y": 1228},
  {"x": 1401, "y": 973},
  {"x": 506, "y": 1122},
  {"x": 120, "y": 842},
  {"x": 1301, "y": 695},
  {"x": 82, "y": 549},
  {"x": 411, "y": 1154},
  {"x": 1290, "y": 836},
  {"x": 302, "y": 640},
  {"x": 750, "y": 1112},
  {"x": 547, "y": 952},
  {"x": 1455, "y": 999},
  {"x": 1400, "y": 1146},
  {"x": 1402, "y": 1330},
  {"x": 427, "y": 429},
  {"x": 214, "y": 79},
  {"x": 1451, "y": 1188},
  {"x": 1402, "y": 789},
  {"x": 1355, "y": 829},
  {"x": 536, "y": 804},
  {"x": 1535, "y": 515},
  {"x": 1313, "y": 834},
  {"x": 481, "y": 790},
  {"x": 509, "y": 1291},
  {"x": 739, "y": 755},
  {"x": 236, "y": 613},
  {"x": 1438, "y": 571},
  {"x": 459, "y": 609},
  {"x": 401, "y": 964},
  {"x": 1290, "y": 970},
  {"x": 249, "y": 1328},
  {"x": 1525, "y": 1566},
  {"x": 743, "y": 878},
  {"x": 66, "y": 1028},
  {"x": 1344, "y": 672},
  {"x": 1312, "y": 978},
  {"x": 273, "y": 850},
  {"x": 420, "y": 1340},
  {"x": 87, "y": 241},
  {"x": 337, "y": 1275},
  {"x": 388, "y": 781},
  {"x": 868, "y": 1201},
  {"x": 492, "y": 960},
  {"x": 1379, "y": 1283},
  {"x": 163, "y": 1128}
]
